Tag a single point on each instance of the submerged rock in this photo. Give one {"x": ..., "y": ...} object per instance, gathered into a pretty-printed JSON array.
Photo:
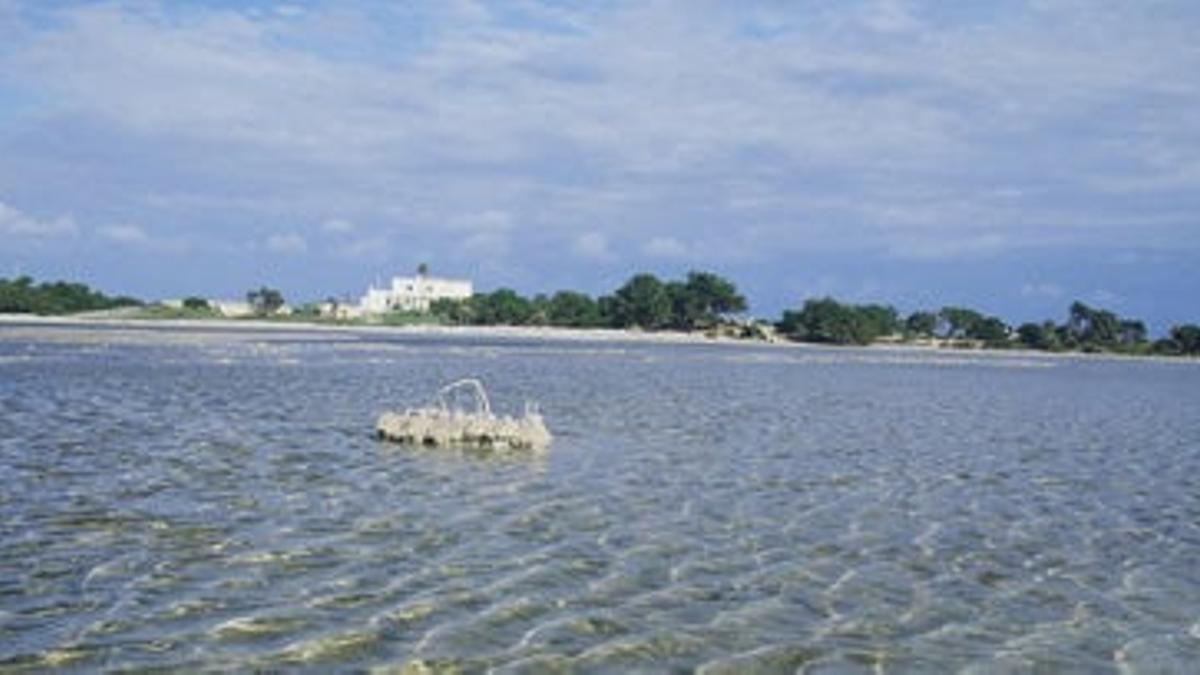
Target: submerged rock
[{"x": 442, "y": 425}]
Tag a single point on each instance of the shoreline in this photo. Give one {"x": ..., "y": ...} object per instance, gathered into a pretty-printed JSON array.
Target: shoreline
[
  {"x": 247, "y": 326},
  {"x": 260, "y": 327}
]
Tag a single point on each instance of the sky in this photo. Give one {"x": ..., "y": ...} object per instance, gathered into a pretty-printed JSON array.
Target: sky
[{"x": 1012, "y": 156}]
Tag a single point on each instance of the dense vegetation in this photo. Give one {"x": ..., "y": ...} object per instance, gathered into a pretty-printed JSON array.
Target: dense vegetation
[
  {"x": 22, "y": 296},
  {"x": 829, "y": 321},
  {"x": 701, "y": 301},
  {"x": 1086, "y": 329},
  {"x": 197, "y": 304},
  {"x": 264, "y": 301}
]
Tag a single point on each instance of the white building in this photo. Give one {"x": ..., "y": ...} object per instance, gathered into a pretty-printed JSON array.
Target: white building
[
  {"x": 336, "y": 310},
  {"x": 232, "y": 309},
  {"x": 413, "y": 294}
]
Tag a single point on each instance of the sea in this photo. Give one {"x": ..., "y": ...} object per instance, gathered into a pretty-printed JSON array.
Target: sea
[{"x": 213, "y": 499}]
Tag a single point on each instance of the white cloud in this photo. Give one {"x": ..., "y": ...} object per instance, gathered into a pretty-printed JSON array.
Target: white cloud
[
  {"x": 133, "y": 236},
  {"x": 948, "y": 247},
  {"x": 124, "y": 234},
  {"x": 890, "y": 16},
  {"x": 337, "y": 226},
  {"x": 486, "y": 245},
  {"x": 482, "y": 130},
  {"x": 1134, "y": 258},
  {"x": 374, "y": 249},
  {"x": 490, "y": 221},
  {"x": 288, "y": 243},
  {"x": 592, "y": 246},
  {"x": 1042, "y": 290},
  {"x": 477, "y": 93},
  {"x": 289, "y": 11},
  {"x": 665, "y": 247},
  {"x": 16, "y": 223}
]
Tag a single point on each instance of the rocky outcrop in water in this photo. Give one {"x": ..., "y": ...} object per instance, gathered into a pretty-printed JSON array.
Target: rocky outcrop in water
[{"x": 441, "y": 425}]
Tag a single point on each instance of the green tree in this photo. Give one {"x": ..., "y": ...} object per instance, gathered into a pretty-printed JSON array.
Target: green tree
[
  {"x": 957, "y": 322},
  {"x": 610, "y": 311},
  {"x": 716, "y": 295},
  {"x": 991, "y": 331},
  {"x": 539, "y": 310},
  {"x": 878, "y": 320},
  {"x": 15, "y": 295},
  {"x": 1132, "y": 333},
  {"x": 309, "y": 310},
  {"x": 702, "y": 300},
  {"x": 921, "y": 324},
  {"x": 501, "y": 307},
  {"x": 827, "y": 320},
  {"x": 60, "y": 297},
  {"x": 265, "y": 301},
  {"x": 1093, "y": 328},
  {"x": 1039, "y": 336},
  {"x": 572, "y": 309},
  {"x": 1186, "y": 339},
  {"x": 195, "y": 303},
  {"x": 687, "y": 310},
  {"x": 454, "y": 312},
  {"x": 643, "y": 302}
]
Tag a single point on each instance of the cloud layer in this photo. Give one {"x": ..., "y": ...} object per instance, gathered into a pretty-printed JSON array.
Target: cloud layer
[
  {"x": 16, "y": 224},
  {"x": 539, "y": 143}
]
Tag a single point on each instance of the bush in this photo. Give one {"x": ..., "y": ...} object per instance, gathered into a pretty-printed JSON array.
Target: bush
[{"x": 21, "y": 296}]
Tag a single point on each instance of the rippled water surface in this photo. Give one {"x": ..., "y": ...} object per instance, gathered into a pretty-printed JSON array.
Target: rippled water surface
[{"x": 217, "y": 501}]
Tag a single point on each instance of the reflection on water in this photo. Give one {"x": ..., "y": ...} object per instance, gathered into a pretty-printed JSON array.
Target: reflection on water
[{"x": 219, "y": 502}]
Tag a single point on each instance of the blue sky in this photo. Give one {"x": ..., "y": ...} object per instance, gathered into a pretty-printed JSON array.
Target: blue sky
[{"x": 1011, "y": 156}]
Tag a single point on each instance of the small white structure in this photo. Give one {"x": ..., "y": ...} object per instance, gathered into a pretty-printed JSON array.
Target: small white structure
[
  {"x": 445, "y": 425},
  {"x": 232, "y": 309},
  {"x": 413, "y": 294},
  {"x": 336, "y": 310},
  {"x": 229, "y": 309}
]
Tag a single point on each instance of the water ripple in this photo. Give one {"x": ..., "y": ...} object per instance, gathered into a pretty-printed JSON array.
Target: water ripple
[{"x": 216, "y": 502}]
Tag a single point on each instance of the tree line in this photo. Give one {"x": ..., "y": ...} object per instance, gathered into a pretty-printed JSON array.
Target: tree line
[
  {"x": 703, "y": 301},
  {"x": 826, "y": 320},
  {"x": 1086, "y": 329},
  {"x": 700, "y": 301},
  {"x": 22, "y": 296}
]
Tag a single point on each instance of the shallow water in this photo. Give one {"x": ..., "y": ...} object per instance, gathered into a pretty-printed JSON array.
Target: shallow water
[{"x": 216, "y": 501}]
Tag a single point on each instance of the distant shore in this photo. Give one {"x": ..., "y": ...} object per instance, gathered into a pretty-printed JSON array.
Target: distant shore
[
  {"x": 266, "y": 329},
  {"x": 703, "y": 308},
  {"x": 267, "y": 326}
]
